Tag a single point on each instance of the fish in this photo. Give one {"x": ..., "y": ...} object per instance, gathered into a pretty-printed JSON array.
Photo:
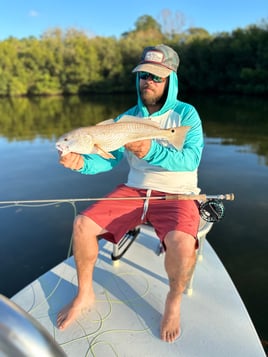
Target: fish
[{"x": 108, "y": 135}]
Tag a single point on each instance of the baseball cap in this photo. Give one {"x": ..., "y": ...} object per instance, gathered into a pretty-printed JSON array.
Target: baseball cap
[{"x": 160, "y": 60}]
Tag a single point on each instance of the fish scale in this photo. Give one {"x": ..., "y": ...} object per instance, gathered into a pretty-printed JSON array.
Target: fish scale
[{"x": 108, "y": 136}]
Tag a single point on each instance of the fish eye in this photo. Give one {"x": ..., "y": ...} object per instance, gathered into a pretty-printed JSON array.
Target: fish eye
[
  {"x": 65, "y": 139},
  {"x": 173, "y": 130}
]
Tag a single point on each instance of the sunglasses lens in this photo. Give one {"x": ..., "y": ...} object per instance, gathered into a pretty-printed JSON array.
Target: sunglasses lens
[
  {"x": 157, "y": 79},
  {"x": 146, "y": 75}
]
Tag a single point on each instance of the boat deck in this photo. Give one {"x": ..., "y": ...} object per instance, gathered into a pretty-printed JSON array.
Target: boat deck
[{"x": 129, "y": 304}]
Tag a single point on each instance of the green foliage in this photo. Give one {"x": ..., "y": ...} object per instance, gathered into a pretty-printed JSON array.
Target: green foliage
[
  {"x": 70, "y": 62},
  {"x": 145, "y": 23},
  {"x": 230, "y": 63}
]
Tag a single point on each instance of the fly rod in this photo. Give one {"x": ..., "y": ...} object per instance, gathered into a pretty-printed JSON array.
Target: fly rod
[{"x": 200, "y": 197}]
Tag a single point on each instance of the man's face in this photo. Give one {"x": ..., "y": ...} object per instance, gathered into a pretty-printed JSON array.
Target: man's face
[{"x": 151, "y": 91}]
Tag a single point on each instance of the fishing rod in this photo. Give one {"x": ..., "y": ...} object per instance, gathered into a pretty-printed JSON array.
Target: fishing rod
[{"x": 199, "y": 197}]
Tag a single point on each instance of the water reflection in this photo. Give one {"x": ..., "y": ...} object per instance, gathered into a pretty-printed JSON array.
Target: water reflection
[
  {"x": 26, "y": 119},
  {"x": 236, "y": 120}
]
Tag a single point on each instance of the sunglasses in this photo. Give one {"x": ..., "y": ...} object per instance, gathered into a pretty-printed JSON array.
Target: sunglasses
[{"x": 146, "y": 75}]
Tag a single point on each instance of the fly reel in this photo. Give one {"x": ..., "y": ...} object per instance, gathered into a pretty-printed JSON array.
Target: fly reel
[{"x": 212, "y": 210}]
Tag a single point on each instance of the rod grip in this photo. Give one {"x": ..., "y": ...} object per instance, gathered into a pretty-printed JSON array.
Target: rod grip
[{"x": 201, "y": 197}]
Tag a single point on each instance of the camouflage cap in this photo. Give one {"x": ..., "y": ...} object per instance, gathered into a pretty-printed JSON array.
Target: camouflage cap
[{"x": 160, "y": 60}]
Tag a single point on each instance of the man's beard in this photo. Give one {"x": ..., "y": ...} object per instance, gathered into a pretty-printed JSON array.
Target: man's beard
[{"x": 151, "y": 99}]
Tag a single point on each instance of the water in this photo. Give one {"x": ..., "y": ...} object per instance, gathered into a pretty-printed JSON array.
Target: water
[{"x": 235, "y": 160}]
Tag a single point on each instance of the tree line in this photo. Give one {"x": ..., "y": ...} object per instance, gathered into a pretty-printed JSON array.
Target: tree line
[{"x": 70, "y": 62}]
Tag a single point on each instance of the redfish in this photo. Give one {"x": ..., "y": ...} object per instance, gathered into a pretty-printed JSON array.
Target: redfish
[{"x": 108, "y": 136}]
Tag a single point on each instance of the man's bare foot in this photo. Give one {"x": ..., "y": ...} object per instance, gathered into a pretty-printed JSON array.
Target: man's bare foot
[
  {"x": 170, "y": 325},
  {"x": 73, "y": 310}
]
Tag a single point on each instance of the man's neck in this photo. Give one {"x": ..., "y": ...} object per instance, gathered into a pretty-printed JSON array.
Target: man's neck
[{"x": 153, "y": 108}]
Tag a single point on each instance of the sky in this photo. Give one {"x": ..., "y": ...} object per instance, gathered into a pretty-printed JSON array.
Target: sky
[{"x": 24, "y": 18}]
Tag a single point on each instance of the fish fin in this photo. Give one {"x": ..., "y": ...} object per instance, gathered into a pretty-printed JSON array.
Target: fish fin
[
  {"x": 130, "y": 119},
  {"x": 139, "y": 120},
  {"x": 106, "y": 155},
  {"x": 178, "y": 137},
  {"x": 105, "y": 122}
]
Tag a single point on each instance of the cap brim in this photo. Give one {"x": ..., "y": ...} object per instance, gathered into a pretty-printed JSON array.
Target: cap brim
[{"x": 155, "y": 69}]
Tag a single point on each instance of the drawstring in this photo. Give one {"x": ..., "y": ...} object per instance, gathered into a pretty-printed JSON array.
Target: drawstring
[
  {"x": 160, "y": 249},
  {"x": 146, "y": 204}
]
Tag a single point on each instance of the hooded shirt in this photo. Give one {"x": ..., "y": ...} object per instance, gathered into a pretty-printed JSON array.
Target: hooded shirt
[{"x": 164, "y": 168}]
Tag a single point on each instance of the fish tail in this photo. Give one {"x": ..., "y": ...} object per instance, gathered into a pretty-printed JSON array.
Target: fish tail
[{"x": 178, "y": 135}]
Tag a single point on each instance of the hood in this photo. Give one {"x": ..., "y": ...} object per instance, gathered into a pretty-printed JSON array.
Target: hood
[{"x": 171, "y": 97}]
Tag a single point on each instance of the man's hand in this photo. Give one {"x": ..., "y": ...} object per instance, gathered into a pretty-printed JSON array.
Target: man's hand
[
  {"x": 72, "y": 161},
  {"x": 139, "y": 148}
]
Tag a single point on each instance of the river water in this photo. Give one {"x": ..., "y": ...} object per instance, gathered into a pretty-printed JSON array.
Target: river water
[{"x": 235, "y": 159}]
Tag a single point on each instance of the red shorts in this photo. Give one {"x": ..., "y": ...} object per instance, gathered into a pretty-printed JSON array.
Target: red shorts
[{"x": 119, "y": 216}]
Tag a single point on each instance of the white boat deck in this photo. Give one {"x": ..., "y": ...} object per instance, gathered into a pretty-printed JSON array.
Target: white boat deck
[{"x": 130, "y": 299}]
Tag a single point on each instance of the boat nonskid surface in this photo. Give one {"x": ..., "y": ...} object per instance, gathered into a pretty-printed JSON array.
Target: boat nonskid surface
[{"x": 129, "y": 305}]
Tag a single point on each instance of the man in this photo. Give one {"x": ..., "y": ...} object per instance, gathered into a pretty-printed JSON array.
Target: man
[{"x": 156, "y": 168}]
